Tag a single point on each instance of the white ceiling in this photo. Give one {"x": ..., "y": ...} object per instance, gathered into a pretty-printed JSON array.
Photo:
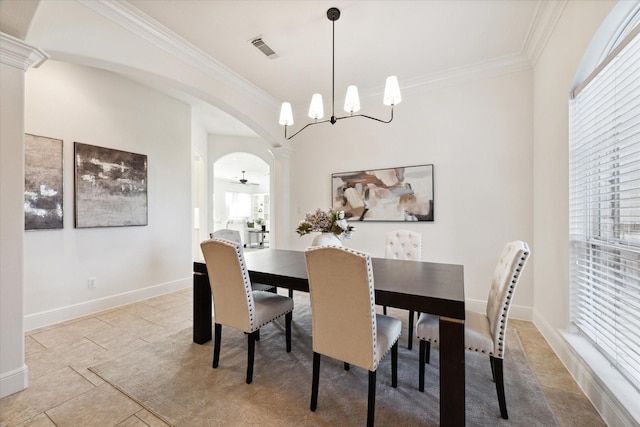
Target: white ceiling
[
  {"x": 374, "y": 39},
  {"x": 421, "y": 42}
]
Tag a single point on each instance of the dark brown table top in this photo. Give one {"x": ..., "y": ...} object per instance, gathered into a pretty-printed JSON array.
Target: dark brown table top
[{"x": 421, "y": 286}]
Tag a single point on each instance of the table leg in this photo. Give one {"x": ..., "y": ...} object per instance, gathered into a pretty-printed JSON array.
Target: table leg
[
  {"x": 452, "y": 394},
  {"x": 201, "y": 308}
]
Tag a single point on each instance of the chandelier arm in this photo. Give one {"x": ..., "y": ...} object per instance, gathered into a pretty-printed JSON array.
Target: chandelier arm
[
  {"x": 368, "y": 117},
  {"x": 305, "y": 126}
]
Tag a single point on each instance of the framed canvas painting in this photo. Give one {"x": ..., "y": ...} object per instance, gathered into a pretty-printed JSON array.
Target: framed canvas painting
[
  {"x": 110, "y": 187},
  {"x": 43, "y": 183},
  {"x": 393, "y": 194}
]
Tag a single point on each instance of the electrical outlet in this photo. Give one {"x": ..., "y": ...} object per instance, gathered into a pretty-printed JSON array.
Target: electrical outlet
[{"x": 91, "y": 283}]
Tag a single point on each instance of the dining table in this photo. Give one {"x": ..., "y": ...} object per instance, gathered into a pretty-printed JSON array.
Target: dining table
[{"x": 425, "y": 287}]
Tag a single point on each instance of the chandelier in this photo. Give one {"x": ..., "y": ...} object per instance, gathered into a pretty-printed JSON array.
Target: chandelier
[{"x": 352, "y": 101}]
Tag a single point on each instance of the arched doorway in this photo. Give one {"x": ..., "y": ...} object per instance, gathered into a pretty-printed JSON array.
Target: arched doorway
[{"x": 242, "y": 197}]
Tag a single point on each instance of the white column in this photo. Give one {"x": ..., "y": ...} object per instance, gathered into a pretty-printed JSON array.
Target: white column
[
  {"x": 280, "y": 200},
  {"x": 15, "y": 58}
]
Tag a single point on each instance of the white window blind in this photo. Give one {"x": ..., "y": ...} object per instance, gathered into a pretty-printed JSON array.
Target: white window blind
[
  {"x": 237, "y": 205},
  {"x": 604, "y": 193}
]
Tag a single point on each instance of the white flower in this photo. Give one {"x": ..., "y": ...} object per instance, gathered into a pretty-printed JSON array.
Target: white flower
[
  {"x": 342, "y": 223},
  {"x": 341, "y": 216}
]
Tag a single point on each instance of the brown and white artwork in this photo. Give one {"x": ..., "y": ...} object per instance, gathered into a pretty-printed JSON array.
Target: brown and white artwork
[
  {"x": 43, "y": 183},
  {"x": 393, "y": 194},
  {"x": 110, "y": 187}
]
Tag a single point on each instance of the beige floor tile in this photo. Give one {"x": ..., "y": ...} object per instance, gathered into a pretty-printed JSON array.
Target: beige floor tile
[
  {"x": 150, "y": 419},
  {"x": 43, "y": 362},
  {"x": 116, "y": 340},
  {"x": 138, "y": 328},
  {"x": 572, "y": 409},
  {"x": 102, "y": 406},
  {"x": 132, "y": 421},
  {"x": 31, "y": 346},
  {"x": 172, "y": 315},
  {"x": 40, "y": 420},
  {"x": 86, "y": 326},
  {"x": 55, "y": 337},
  {"x": 89, "y": 376},
  {"x": 43, "y": 393}
]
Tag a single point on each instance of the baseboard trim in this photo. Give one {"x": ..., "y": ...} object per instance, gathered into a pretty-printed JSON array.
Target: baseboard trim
[
  {"x": 14, "y": 381},
  {"x": 608, "y": 396},
  {"x": 62, "y": 314}
]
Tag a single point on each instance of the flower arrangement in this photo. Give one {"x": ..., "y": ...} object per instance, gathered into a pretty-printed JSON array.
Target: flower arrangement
[{"x": 330, "y": 221}]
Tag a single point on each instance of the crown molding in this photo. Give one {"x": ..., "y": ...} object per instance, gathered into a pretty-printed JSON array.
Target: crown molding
[
  {"x": 544, "y": 22},
  {"x": 160, "y": 36},
  {"x": 477, "y": 71},
  {"x": 16, "y": 53}
]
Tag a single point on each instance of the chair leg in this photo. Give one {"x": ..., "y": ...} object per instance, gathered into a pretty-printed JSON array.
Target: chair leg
[
  {"x": 346, "y": 366},
  {"x": 257, "y": 335},
  {"x": 315, "y": 381},
  {"x": 250, "y": 354},
  {"x": 290, "y": 293},
  {"x": 497, "y": 362},
  {"x": 371, "y": 404},
  {"x": 421, "y": 362},
  {"x": 428, "y": 352},
  {"x": 394, "y": 365},
  {"x": 493, "y": 369},
  {"x": 216, "y": 344},
  {"x": 384, "y": 310},
  {"x": 410, "y": 338},
  {"x": 287, "y": 321}
]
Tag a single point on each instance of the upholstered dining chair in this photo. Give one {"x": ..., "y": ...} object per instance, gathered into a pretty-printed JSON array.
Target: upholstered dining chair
[
  {"x": 484, "y": 332},
  {"x": 405, "y": 245},
  {"x": 234, "y": 236},
  {"x": 344, "y": 322},
  {"x": 235, "y": 304}
]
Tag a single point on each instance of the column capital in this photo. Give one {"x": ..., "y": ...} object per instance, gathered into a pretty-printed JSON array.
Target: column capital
[
  {"x": 17, "y": 53},
  {"x": 282, "y": 152}
]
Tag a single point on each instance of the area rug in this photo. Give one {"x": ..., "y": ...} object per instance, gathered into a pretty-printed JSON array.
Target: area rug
[{"x": 173, "y": 379}]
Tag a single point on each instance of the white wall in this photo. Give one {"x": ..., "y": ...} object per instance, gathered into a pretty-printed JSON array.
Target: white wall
[
  {"x": 478, "y": 136},
  {"x": 76, "y": 103}
]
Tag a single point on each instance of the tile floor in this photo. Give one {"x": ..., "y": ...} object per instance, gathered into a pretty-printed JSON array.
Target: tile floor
[{"x": 63, "y": 392}]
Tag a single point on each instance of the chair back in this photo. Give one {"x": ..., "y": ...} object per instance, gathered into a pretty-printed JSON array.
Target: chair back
[
  {"x": 233, "y": 303},
  {"x": 404, "y": 244},
  {"x": 342, "y": 298},
  {"x": 227, "y": 234},
  {"x": 505, "y": 278}
]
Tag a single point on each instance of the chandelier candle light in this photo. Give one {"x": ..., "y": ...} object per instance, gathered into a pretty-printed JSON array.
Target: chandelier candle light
[{"x": 352, "y": 101}]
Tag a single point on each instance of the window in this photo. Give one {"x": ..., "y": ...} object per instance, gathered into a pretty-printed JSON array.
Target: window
[
  {"x": 604, "y": 191},
  {"x": 238, "y": 205}
]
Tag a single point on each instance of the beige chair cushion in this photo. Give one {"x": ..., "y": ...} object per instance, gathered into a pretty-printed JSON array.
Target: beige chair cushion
[
  {"x": 477, "y": 336},
  {"x": 404, "y": 244},
  {"x": 235, "y": 304},
  {"x": 269, "y": 306},
  {"x": 486, "y": 332},
  {"x": 344, "y": 322}
]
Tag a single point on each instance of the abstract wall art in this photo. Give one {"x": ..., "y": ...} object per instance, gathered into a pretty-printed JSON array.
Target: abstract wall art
[
  {"x": 43, "y": 183},
  {"x": 393, "y": 194},
  {"x": 110, "y": 187}
]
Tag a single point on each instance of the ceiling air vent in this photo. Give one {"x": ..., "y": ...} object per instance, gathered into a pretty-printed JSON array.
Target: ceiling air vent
[{"x": 264, "y": 48}]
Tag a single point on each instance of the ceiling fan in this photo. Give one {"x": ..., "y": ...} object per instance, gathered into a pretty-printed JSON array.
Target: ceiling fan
[{"x": 244, "y": 181}]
